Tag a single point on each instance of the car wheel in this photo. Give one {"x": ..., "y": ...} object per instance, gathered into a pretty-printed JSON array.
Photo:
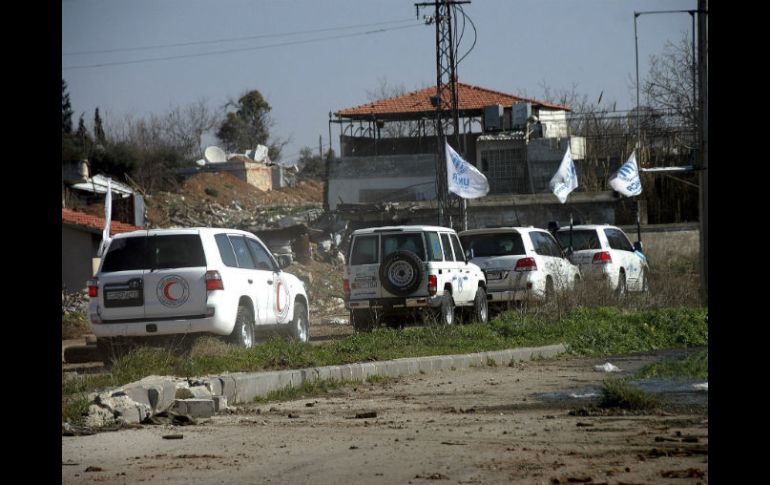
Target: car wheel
[
  {"x": 243, "y": 332},
  {"x": 446, "y": 312},
  {"x": 620, "y": 291},
  {"x": 549, "y": 291},
  {"x": 481, "y": 306},
  {"x": 299, "y": 324},
  {"x": 401, "y": 273},
  {"x": 362, "y": 320},
  {"x": 645, "y": 286}
]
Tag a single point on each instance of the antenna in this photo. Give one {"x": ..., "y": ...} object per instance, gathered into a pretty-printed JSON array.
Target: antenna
[{"x": 214, "y": 154}]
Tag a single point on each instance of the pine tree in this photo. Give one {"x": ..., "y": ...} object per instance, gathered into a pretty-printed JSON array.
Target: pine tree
[
  {"x": 66, "y": 110},
  {"x": 99, "y": 129}
]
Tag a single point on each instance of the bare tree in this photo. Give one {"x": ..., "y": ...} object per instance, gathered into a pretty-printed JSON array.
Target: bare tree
[
  {"x": 669, "y": 85},
  {"x": 186, "y": 125}
]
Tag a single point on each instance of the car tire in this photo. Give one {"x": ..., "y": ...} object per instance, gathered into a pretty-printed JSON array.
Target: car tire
[
  {"x": 481, "y": 306},
  {"x": 243, "y": 331},
  {"x": 401, "y": 273},
  {"x": 621, "y": 289},
  {"x": 362, "y": 320},
  {"x": 645, "y": 286},
  {"x": 549, "y": 290},
  {"x": 299, "y": 324},
  {"x": 446, "y": 312}
]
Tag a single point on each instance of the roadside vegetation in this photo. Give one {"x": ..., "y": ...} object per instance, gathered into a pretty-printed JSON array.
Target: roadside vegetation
[{"x": 585, "y": 331}]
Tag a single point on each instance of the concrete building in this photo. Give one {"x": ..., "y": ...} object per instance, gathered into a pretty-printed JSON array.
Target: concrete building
[
  {"x": 388, "y": 157},
  {"x": 81, "y": 235}
]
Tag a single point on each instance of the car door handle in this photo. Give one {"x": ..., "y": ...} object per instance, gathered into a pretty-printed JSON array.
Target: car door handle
[{"x": 251, "y": 281}]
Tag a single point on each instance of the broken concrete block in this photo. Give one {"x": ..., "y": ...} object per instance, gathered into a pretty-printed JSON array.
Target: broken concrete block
[{"x": 197, "y": 408}]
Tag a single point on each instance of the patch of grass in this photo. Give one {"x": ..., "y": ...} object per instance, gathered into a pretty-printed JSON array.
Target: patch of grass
[
  {"x": 585, "y": 331},
  {"x": 307, "y": 389},
  {"x": 695, "y": 366},
  {"x": 618, "y": 393},
  {"x": 211, "y": 191},
  {"x": 74, "y": 325}
]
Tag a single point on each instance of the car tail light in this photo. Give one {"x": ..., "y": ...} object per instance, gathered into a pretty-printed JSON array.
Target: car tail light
[
  {"x": 346, "y": 286},
  {"x": 602, "y": 257},
  {"x": 432, "y": 284},
  {"x": 93, "y": 288},
  {"x": 214, "y": 281},
  {"x": 526, "y": 264}
]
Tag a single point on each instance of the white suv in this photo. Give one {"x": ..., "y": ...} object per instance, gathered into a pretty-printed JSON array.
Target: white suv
[
  {"x": 605, "y": 252},
  {"x": 398, "y": 271},
  {"x": 182, "y": 281},
  {"x": 521, "y": 263}
]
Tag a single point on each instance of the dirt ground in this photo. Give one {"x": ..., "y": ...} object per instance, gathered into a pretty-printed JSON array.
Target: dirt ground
[{"x": 479, "y": 426}]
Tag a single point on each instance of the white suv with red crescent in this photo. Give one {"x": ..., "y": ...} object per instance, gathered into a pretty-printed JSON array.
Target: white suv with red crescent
[{"x": 192, "y": 281}]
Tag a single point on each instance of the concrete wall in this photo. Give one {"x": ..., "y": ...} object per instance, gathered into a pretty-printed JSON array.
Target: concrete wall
[
  {"x": 382, "y": 178},
  {"x": 77, "y": 251},
  {"x": 668, "y": 244}
]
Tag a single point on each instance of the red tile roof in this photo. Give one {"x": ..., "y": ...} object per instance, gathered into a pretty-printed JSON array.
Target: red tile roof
[
  {"x": 96, "y": 223},
  {"x": 470, "y": 98}
]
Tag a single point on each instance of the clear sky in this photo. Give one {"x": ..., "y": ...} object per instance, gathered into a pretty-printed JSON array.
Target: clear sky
[{"x": 521, "y": 44}]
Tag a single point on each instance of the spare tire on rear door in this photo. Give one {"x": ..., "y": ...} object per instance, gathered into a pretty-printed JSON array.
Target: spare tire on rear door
[{"x": 401, "y": 272}]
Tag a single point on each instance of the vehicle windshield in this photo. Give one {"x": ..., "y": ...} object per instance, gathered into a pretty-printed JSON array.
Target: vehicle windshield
[
  {"x": 500, "y": 244},
  {"x": 581, "y": 239},
  {"x": 154, "y": 252}
]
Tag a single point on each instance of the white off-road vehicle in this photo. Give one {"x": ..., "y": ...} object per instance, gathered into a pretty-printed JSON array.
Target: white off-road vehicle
[
  {"x": 176, "y": 282},
  {"x": 397, "y": 272}
]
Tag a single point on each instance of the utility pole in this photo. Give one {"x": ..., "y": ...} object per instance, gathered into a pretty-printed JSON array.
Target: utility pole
[
  {"x": 320, "y": 148},
  {"x": 703, "y": 106},
  {"x": 446, "y": 95}
]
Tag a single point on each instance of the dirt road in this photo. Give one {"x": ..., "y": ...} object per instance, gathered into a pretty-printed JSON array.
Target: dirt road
[{"x": 487, "y": 425}]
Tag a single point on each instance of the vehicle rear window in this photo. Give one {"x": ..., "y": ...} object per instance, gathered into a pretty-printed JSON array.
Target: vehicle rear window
[
  {"x": 501, "y": 244},
  {"x": 154, "y": 252},
  {"x": 581, "y": 239},
  {"x": 405, "y": 241},
  {"x": 226, "y": 250},
  {"x": 364, "y": 250}
]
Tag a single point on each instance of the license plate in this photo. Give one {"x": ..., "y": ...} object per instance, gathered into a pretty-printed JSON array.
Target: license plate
[
  {"x": 122, "y": 295},
  {"x": 364, "y": 283},
  {"x": 494, "y": 275}
]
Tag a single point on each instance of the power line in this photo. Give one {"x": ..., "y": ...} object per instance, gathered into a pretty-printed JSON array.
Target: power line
[
  {"x": 232, "y": 39},
  {"x": 227, "y": 51}
]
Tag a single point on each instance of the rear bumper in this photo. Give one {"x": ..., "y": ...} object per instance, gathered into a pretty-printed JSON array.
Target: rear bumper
[
  {"x": 509, "y": 295},
  {"x": 146, "y": 328},
  {"x": 394, "y": 303}
]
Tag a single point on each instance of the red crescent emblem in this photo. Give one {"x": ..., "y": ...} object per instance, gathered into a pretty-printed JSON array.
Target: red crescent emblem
[{"x": 166, "y": 288}]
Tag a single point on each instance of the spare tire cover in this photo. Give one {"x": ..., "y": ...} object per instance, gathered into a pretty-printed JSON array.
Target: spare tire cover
[{"x": 401, "y": 272}]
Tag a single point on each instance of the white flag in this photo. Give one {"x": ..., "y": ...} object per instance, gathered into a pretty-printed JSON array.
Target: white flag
[
  {"x": 107, "y": 219},
  {"x": 626, "y": 180},
  {"x": 565, "y": 179},
  {"x": 463, "y": 178}
]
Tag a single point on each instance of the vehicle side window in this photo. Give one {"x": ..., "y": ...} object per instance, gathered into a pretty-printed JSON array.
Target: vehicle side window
[
  {"x": 364, "y": 250},
  {"x": 242, "y": 252},
  {"x": 262, "y": 257},
  {"x": 459, "y": 254},
  {"x": 544, "y": 245},
  {"x": 434, "y": 247},
  {"x": 618, "y": 240},
  {"x": 226, "y": 250},
  {"x": 447, "y": 247},
  {"x": 552, "y": 244}
]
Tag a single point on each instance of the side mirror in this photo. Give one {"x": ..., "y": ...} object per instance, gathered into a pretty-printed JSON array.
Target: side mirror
[
  {"x": 638, "y": 246},
  {"x": 284, "y": 260}
]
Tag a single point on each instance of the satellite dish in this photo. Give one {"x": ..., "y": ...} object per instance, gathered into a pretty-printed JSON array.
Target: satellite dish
[
  {"x": 200, "y": 162},
  {"x": 214, "y": 154},
  {"x": 260, "y": 153}
]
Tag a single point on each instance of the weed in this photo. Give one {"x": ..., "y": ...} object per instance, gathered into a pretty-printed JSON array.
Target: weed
[{"x": 618, "y": 393}]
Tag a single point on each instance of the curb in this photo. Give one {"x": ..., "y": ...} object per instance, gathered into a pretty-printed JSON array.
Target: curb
[{"x": 205, "y": 396}]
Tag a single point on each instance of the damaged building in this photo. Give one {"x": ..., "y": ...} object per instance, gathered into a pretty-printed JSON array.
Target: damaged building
[{"x": 386, "y": 171}]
